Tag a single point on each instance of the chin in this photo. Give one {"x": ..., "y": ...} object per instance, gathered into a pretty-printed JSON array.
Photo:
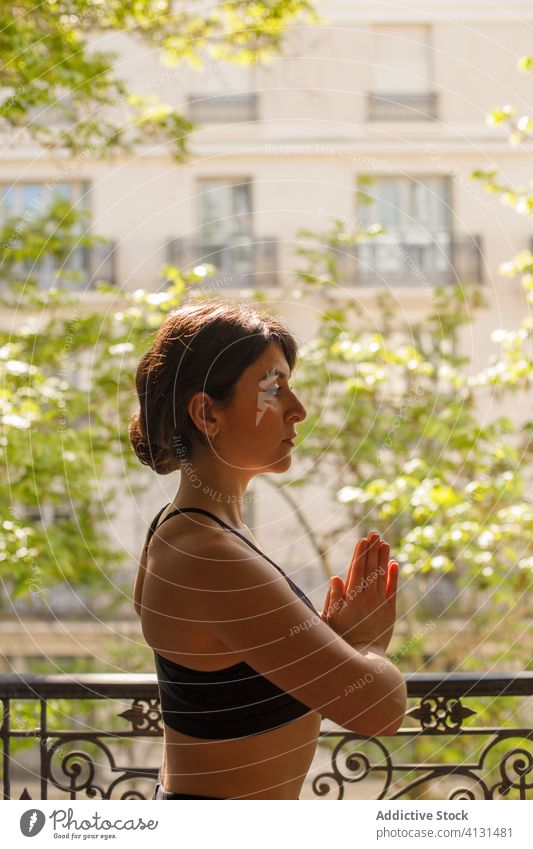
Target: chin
[
  {"x": 282, "y": 464},
  {"x": 275, "y": 467}
]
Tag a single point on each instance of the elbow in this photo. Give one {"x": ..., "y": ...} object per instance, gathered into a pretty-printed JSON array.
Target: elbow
[
  {"x": 391, "y": 727},
  {"x": 383, "y": 713},
  {"x": 394, "y": 702}
]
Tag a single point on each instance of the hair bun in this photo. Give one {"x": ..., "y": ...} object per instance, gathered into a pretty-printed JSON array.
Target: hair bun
[{"x": 162, "y": 460}]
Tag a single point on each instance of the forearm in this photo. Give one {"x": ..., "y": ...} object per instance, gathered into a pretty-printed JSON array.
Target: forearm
[{"x": 387, "y": 687}]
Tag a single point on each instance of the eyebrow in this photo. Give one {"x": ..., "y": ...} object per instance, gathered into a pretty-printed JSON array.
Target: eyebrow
[{"x": 274, "y": 373}]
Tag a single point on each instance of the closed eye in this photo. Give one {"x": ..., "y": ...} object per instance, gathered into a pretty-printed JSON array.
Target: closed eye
[{"x": 274, "y": 388}]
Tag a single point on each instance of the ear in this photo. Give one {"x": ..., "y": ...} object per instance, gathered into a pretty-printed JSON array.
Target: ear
[{"x": 204, "y": 413}]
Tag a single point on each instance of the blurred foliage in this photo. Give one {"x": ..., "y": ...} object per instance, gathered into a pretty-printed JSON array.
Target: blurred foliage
[
  {"x": 394, "y": 430},
  {"x": 397, "y": 433},
  {"x": 65, "y": 93},
  {"x": 67, "y": 376},
  {"x": 67, "y": 371}
]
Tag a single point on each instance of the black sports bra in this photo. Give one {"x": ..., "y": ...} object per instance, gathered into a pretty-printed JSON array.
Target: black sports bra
[{"x": 225, "y": 703}]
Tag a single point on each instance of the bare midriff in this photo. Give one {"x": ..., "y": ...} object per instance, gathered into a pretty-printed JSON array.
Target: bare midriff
[{"x": 270, "y": 765}]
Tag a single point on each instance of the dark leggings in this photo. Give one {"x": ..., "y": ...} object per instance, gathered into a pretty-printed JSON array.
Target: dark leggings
[{"x": 160, "y": 793}]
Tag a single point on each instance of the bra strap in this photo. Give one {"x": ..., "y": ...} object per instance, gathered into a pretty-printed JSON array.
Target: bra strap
[
  {"x": 221, "y": 522},
  {"x": 178, "y": 510},
  {"x": 228, "y": 527},
  {"x": 153, "y": 527}
]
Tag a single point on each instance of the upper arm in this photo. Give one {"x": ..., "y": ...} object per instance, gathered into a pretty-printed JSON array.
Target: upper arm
[
  {"x": 252, "y": 610},
  {"x": 139, "y": 583}
]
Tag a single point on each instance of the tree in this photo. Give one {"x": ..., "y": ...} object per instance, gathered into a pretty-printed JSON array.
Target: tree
[
  {"x": 59, "y": 367},
  {"x": 401, "y": 445},
  {"x": 51, "y": 73}
]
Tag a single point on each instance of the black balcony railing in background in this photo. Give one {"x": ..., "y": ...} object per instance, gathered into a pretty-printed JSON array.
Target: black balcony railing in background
[
  {"x": 402, "y": 106},
  {"x": 245, "y": 263},
  {"x": 84, "y": 755},
  {"x": 222, "y": 108},
  {"x": 389, "y": 261},
  {"x": 82, "y": 270}
]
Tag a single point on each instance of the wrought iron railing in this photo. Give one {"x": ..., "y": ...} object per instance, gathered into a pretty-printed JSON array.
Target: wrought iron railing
[
  {"x": 402, "y": 106},
  {"x": 250, "y": 262},
  {"x": 223, "y": 108},
  {"x": 395, "y": 261},
  {"x": 83, "y": 269},
  {"x": 440, "y": 751}
]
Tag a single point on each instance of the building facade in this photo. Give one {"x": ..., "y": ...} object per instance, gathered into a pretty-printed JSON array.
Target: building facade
[{"x": 376, "y": 116}]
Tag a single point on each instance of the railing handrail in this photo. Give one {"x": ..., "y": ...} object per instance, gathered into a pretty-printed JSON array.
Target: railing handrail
[{"x": 140, "y": 685}]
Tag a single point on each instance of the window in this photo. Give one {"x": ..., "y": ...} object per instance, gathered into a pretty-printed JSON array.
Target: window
[
  {"x": 28, "y": 201},
  {"x": 225, "y": 224},
  {"x": 224, "y": 93},
  {"x": 412, "y": 206},
  {"x": 31, "y": 199},
  {"x": 226, "y": 237},
  {"x": 402, "y": 87},
  {"x": 83, "y": 266},
  {"x": 416, "y": 217},
  {"x": 225, "y": 211}
]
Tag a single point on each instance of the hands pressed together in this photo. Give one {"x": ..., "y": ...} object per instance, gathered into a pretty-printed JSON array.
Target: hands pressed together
[{"x": 362, "y": 609}]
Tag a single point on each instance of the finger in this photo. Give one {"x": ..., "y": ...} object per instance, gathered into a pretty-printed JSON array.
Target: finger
[
  {"x": 372, "y": 558},
  {"x": 351, "y": 567},
  {"x": 326, "y": 603},
  {"x": 356, "y": 572},
  {"x": 383, "y": 568},
  {"x": 392, "y": 583},
  {"x": 337, "y": 596}
]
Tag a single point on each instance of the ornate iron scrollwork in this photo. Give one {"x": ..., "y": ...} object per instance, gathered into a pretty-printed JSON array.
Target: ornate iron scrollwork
[
  {"x": 514, "y": 768},
  {"x": 479, "y": 762},
  {"x": 145, "y": 716},
  {"x": 440, "y": 714},
  {"x": 81, "y": 769}
]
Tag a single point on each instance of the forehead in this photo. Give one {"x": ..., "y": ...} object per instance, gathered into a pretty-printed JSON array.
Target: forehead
[{"x": 270, "y": 365}]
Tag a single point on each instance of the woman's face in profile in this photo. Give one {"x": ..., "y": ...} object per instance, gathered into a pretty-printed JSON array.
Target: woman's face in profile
[{"x": 264, "y": 412}]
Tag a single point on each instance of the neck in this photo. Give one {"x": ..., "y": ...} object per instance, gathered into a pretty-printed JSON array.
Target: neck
[{"x": 207, "y": 484}]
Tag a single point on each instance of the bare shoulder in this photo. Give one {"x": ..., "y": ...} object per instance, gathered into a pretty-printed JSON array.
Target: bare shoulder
[
  {"x": 204, "y": 554},
  {"x": 187, "y": 534}
]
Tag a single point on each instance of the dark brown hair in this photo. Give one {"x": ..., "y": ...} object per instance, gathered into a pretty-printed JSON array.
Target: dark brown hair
[{"x": 202, "y": 347}]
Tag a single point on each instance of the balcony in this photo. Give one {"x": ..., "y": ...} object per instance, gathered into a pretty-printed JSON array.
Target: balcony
[
  {"x": 245, "y": 265},
  {"x": 81, "y": 271},
  {"x": 389, "y": 261},
  {"x": 103, "y": 740},
  {"x": 222, "y": 108},
  {"x": 402, "y": 106}
]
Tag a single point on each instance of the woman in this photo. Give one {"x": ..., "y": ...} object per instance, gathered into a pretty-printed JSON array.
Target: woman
[{"x": 246, "y": 665}]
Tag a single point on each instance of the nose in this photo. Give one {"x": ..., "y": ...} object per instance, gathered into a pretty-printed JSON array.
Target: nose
[{"x": 297, "y": 411}]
